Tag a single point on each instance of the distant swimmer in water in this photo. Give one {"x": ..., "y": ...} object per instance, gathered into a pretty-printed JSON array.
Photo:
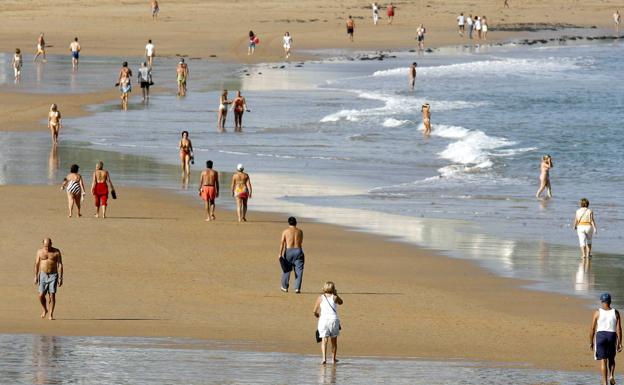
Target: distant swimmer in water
[
  {"x": 585, "y": 227},
  {"x": 426, "y": 115},
  {"x": 74, "y": 186},
  {"x": 41, "y": 48},
  {"x": 605, "y": 338},
  {"x": 545, "y": 167},
  {"x": 239, "y": 105},
  {"x": 18, "y": 62},
  {"x": 412, "y": 75},
  {"x": 182, "y": 72},
  {"x": 186, "y": 153},
  {"x": 54, "y": 123},
  {"x": 223, "y": 109},
  {"x": 241, "y": 190}
]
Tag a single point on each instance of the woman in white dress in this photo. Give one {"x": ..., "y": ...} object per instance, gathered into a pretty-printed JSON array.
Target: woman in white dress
[
  {"x": 325, "y": 309},
  {"x": 287, "y": 44}
]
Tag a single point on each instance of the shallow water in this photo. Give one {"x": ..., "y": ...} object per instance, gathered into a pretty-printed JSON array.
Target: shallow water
[{"x": 34, "y": 359}]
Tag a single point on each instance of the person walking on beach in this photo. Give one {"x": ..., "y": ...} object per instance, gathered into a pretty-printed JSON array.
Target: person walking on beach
[
  {"x": 545, "y": 167},
  {"x": 350, "y": 28},
  {"x": 506, "y": 4},
  {"x": 48, "y": 276},
  {"x": 326, "y": 310},
  {"x": 470, "y": 23},
  {"x": 74, "y": 186},
  {"x": 412, "y": 75},
  {"x": 461, "y": 24},
  {"x": 616, "y": 21},
  {"x": 74, "y": 48},
  {"x": 186, "y": 154},
  {"x": 54, "y": 123},
  {"x": 41, "y": 48},
  {"x": 585, "y": 227},
  {"x": 99, "y": 188},
  {"x": 182, "y": 72},
  {"x": 390, "y": 12},
  {"x": 223, "y": 109},
  {"x": 241, "y": 190},
  {"x": 605, "y": 338},
  {"x": 253, "y": 41},
  {"x": 375, "y": 8},
  {"x": 426, "y": 115},
  {"x": 18, "y": 62},
  {"x": 145, "y": 80},
  {"x": 287, "y": 43},
  {"x": 124, "y": 83},
  {"x": 484, "y": 28},
  {"x": 209, "y": 189},
  {"x": 420, "y": 36},
  {"x": 239, "y": 106},
  {"x": 291, "y": 255},
  {"x": 150, "y": 52},
  {"x": 155, "y": 10}
]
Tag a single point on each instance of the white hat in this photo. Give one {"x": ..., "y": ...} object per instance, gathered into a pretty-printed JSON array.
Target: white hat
[{"x": 240, "y": 167}]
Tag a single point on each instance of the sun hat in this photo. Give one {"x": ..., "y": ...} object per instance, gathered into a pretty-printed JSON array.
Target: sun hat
[{"x": 240, "y": 167}]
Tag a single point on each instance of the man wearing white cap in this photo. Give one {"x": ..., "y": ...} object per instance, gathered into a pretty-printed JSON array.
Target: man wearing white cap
[
  {"x": 241, "y": 190},
  {"x": 605, "y": 338}
]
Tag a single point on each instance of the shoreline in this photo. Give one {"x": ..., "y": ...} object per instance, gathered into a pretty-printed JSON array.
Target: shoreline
[{"x": 408, "y": 289}]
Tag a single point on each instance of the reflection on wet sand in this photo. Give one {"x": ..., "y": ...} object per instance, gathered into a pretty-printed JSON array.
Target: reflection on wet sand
[
  {"x": 327, "y": 376},
  {"x": 584, "y": 276},
  {"x": 46, "y": 353},
  {"x": 53, "y": 163}
]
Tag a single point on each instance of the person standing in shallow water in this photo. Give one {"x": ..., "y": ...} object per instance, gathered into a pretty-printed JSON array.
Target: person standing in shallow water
[
  {"x": 48, "y": 276},
  {"x": 426, "y": 115},
  {"x": 291, "y": 251},
  {"x": 239, "y": 106},
  {"x": 605, "y": 338},
  {"x": 545, "y": 167},
  {"x": 186, "y": 154},
  {"x": 326, "y": 310},
  {"x": 585, "y": 227},
  {"x": 412, "y": 75}
]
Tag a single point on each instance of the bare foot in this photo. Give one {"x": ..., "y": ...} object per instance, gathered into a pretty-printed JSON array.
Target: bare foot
[
  {"x": 214, "y": 218},
  {"x": 96, "y": 215},
  {"x": 244, "y": 219},
  {"x": 51, "y": 317},
  {"x": 336, "y": 361},
  {"x": 44, "y": 313},
  {"x": 323, "y": 362},
  {"x": 207, "y": 219}
]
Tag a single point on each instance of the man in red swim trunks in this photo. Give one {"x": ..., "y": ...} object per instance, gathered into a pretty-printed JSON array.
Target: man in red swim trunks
[
  {"x": 390, "y": 12},
  {"x": 209, "y": 189}
]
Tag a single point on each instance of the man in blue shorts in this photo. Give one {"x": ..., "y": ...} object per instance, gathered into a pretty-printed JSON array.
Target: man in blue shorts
[
  {"x": 605, "y": 338},
  {"x": 74, "y": 47}
]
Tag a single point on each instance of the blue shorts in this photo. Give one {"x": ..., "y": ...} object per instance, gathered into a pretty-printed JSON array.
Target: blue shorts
[
  {"x": 47, "y": 282},
  {"x": 75, "y": 54},
  {"x": 605, "y": 345}
]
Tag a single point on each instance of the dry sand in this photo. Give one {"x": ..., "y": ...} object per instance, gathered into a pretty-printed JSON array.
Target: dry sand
[{"x": 155, "y": 268}]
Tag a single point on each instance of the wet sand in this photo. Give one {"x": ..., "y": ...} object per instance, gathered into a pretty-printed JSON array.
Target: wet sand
[{"x": 220, "y": 281}]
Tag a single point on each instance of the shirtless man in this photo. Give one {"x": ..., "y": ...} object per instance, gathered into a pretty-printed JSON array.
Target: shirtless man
[
  {"x": 239, "y": 106},
  {"x": 209, "y": 189},
  {"x": 291, "y": 255},
  {"x": 350, "y": 28},
  {"x": 74, "y": 47},
  {"x": 241, "y": 190},
  {"x": 54, "y": 123},
  {"x": 40, "y": 48},
  {"x": 150, "y": 52},
  {"x": 48, "y": 275},
  {"x": 182, "y": 72},
  {"x": 412, "y": 75}
]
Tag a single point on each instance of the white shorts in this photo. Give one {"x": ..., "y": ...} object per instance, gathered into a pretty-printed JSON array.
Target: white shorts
[
  {"x": 329, "y": 328},
  {"x": 585, "y": 233}
]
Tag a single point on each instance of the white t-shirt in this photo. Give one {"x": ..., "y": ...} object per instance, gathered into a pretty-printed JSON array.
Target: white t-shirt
[
  {"x": 375, "y": 9},
  {"x": 469, "y": 20},
  {"x": 461, "y": 20},
  {"x": 150, "y": 49},
  {"x": 477, "y": 24},
  {"x": 287, "y": 41}
]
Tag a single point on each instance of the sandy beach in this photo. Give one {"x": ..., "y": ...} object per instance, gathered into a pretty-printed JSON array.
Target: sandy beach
[{"x": 154, "y": 268}]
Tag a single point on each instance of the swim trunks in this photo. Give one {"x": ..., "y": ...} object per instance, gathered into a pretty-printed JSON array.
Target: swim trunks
[
  {"x": 209, "y": 193},
  {"x": 47, "y": 282},
  {"x": 75, "y": 54},
  {"x": 349, "y": 31},
  {"x": 100, "y": 193},
  {"x": 605, "y": 345}
]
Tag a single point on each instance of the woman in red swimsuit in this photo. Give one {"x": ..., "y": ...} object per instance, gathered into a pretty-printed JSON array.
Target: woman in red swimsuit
[
  {"x": 390, "y": 12},
  {"x": 99, "y": 189}
]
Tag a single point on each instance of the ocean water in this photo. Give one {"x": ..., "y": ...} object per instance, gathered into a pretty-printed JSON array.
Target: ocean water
[
  {"x": 339, "y": 140},
  {"x": 33, "y": 359}
]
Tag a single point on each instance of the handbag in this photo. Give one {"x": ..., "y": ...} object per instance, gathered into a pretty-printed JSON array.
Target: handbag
[
  {"x": 114, "y": 194},
  {"x": 318, "y": 336}
]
